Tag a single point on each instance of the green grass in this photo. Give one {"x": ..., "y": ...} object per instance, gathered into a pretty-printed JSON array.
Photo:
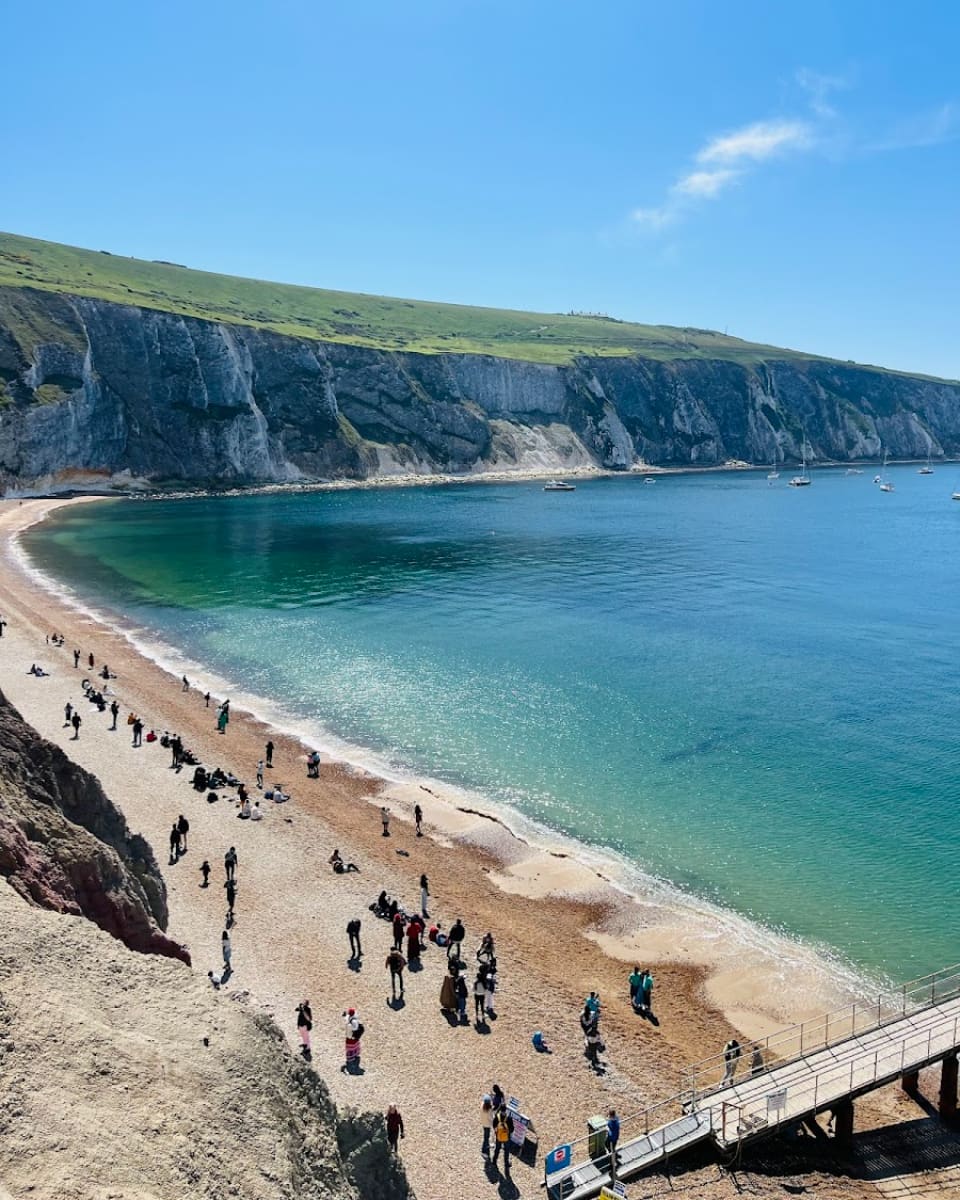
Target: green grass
[{"x": 354, "y": 318}]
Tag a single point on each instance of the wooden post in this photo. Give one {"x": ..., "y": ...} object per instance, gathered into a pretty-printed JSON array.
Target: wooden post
[
  {"x": 910, "y": 1082},
  {"x": 948, "y": 1088},
  {"x": 843, "y": 1123}
]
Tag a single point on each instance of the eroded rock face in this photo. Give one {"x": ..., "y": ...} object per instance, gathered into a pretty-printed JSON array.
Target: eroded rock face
[
  {"x": 92, "y": 390},
  {"x": 66, "y": 847}
]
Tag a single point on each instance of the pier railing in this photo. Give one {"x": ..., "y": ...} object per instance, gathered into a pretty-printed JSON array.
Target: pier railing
[{"x": 795, "y": 1041}]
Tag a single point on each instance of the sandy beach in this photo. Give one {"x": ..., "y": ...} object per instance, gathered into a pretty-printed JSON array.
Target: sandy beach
[{"x": 563, "y": 927}]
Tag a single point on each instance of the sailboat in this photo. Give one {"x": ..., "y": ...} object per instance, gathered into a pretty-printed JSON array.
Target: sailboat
[
  {"x": 773, "y": 473},
  {"x": 885, "y": 484},
  {"x": 926, "y": 469},
  {"x": 803, "y": 479}
]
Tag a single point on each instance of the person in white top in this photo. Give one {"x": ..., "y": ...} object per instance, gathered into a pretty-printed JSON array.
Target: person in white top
[{"x": 256, "y": 813}]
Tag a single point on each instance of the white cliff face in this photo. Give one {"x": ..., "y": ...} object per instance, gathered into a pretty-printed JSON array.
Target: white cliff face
[{"x": 90, "y": 389}]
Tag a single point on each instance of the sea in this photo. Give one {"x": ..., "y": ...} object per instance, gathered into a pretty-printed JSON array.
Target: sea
[{"x": 745, "y": 690}]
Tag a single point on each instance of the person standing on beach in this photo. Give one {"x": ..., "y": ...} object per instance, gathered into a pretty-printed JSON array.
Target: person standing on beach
[
  {"x": 461, "y": 992},
  {"x": 613, "y": 1136},
  {"x": 502, "y": 1133},
  {"x": 183, "y": 828},
  {"x": 424, "y": 896},
  {"x": 205, "y": 872},
  {"x": 231, "y": 886},
  {"x": 186, "y": 684},
  {"x": 480, "y": 999},
  {"x": 226, "y": 949},
  {"x": 174, "y": 843},
  {"x": 304, "y": 1026},
  {"x": 260, "y": 774},
  {"x": 486, "y": 1123},
  {"x": 646, "y": 994},
  {"x": 394, "y": 1127},
  {"x": 635, "y": 980},
  {"x": 90, "y": 660},
  {"x": 223, "y": 717},
  {"x": 3, "y": 625},
  {"x": 76, "y": 659},
  {"x": 137, "y": 731},
  {"x": 414, "y": 930},
  {"x": 76, "y": 723},
  {"x": 269, "y": 750},
  {"x": 67, "y": 713},
  {"x": 206, "y": 700},
  {"x": 230, "y": 863},
  {"x": 395, "y": 964},
  {"x": 398, "y": 925},
  {"x": 353, "y": 933},
  {"x": 455, "y": 938},
  {"x": 385, "y": 818},
  {"x": 418, "y": 819},
  {"x": 353, "y": 1034},
  {"x": 114, "y": 713}
]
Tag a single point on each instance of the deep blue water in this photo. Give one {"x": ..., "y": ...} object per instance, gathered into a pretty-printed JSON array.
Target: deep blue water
[{"x": 748, "y": 690}]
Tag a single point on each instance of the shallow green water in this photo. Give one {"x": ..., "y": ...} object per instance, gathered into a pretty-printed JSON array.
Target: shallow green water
[{"x": 747, "y": 690}]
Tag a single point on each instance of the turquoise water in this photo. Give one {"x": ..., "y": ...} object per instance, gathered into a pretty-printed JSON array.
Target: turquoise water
[{"x": 750, "y": 691}]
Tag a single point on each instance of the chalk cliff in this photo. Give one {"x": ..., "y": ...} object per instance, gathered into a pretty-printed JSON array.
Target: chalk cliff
[{"x": 92, "y": 389}]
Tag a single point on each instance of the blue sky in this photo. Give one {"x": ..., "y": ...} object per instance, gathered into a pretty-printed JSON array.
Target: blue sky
[{"x": 787, "y": 171}]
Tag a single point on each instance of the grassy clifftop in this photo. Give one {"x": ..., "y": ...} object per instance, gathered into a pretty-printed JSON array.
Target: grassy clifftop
[{"x": 377, "y": 321}]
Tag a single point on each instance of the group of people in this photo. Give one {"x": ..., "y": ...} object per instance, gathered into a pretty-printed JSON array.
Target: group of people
[
  {"x": 497, "y": 1124},
  {"x": 641, "y": 991}
]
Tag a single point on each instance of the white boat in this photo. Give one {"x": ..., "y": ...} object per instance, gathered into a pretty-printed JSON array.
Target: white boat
[
  {"x": 926, "y": 469},
  {"x": 558, "y": 485},
  {"x": 649, "y": 479},
  {"x": 955, "y": 496},
  {"x": 803, "y": 479},
  {"x": 853, "y": 471},
  {"x": 885, "y": 484},
  {"x": 773, "y": 473}
]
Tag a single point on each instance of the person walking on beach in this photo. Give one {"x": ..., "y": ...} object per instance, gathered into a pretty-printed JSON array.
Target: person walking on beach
[
  {"x": 223, "y": 716},
  {"x": 230, "y": 863},
  {"x": 90, "y": 660},
  {"x": 3, "y": 625},
  {"x": 231, "y": 886},
  {"x": 260, "y": 773},
  {"x": 424, "y": 896},
  {"x": 635, "y": 980},
  {"x": 480, "y": 999},
  {"x": 731, "y": 1056},
  {"x": 413, "y": 942},
  {"x": 186, "y": 684},
  {"x": 269, "y": 750},
  {"x": 461, "y": 992},
  {"x": 304, "y": 1026},
  {"x": 385, "y": 818},
  {"x": 76, "y": 659},
  {"x": 67, "y": 713},
  {"x": 76, "y": 723},
  {"x": 646, "y": 994},
  {"x": 206, "y": 700},
  {"x": 114, "y": 713},
  {"x": 137, "y": 731},
  {"x": 486, "y": 1123},
  {"x": 354, "y": 1032},
  {"x": 502, "y": 1133},
  {"x": 418, "y": 819},
  {"x": 353, "y": 933},
  {"x": 394, "y": 1127},
  {"x": 395, "y": 964},
  {"x": 174, "y": 843},
  {"x": 205, "y": 872},
  {"x": 226, "y": 949},
  {"x": 183, "y": 828}
]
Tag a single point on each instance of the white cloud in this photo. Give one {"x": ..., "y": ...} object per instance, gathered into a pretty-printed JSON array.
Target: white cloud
[
  {"x": 818, "y": 88},
  {"x": 757, "y": 142},
  {"x": 925, "y": 129},
  {"x": 704, "y": 183},
  {"x": 654, "y": 218}
]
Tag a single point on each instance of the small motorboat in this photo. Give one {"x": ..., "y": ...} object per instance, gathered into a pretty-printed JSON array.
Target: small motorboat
[
  {"x": 853, "y": 471},
  {"x": 649, "y": 479},
  {"x": 559, "y": 485}
]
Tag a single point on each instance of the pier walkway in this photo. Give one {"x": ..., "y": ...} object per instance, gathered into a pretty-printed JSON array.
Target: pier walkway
[{"x": 795, "y": 1074}]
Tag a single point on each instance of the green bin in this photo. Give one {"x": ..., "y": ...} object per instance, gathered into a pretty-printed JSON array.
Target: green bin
[{"x": 597, "y": 1131}]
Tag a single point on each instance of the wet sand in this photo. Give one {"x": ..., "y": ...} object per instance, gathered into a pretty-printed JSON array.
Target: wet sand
[{"x": 562, "y": 928}]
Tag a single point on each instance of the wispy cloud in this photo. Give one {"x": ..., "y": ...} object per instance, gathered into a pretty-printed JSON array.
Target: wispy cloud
[
  {"x": 762, "y": 140},
  {"x": 924, "y": 129},
  {"x": 819, "y": 88},
  {"x": 723, "y": 161}
]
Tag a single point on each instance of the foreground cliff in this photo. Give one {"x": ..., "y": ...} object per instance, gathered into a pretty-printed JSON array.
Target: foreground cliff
[
  {"x": 92, "y": 389},
  {"x": 65, "y": 846}
]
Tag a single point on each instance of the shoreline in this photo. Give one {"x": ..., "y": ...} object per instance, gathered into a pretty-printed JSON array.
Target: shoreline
[
  {"x": 71, "y": 485},
  {"x": 564, "y": 926},
  {"x": 538, "y": 861}
]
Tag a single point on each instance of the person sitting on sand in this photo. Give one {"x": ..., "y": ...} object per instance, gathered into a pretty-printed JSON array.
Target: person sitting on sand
[
  {"x": 279, "y": 795},
  {"x": 339, "y": 866},
  {"x": 244, "y": 813},
  {"x": 256, "y": 813}
]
